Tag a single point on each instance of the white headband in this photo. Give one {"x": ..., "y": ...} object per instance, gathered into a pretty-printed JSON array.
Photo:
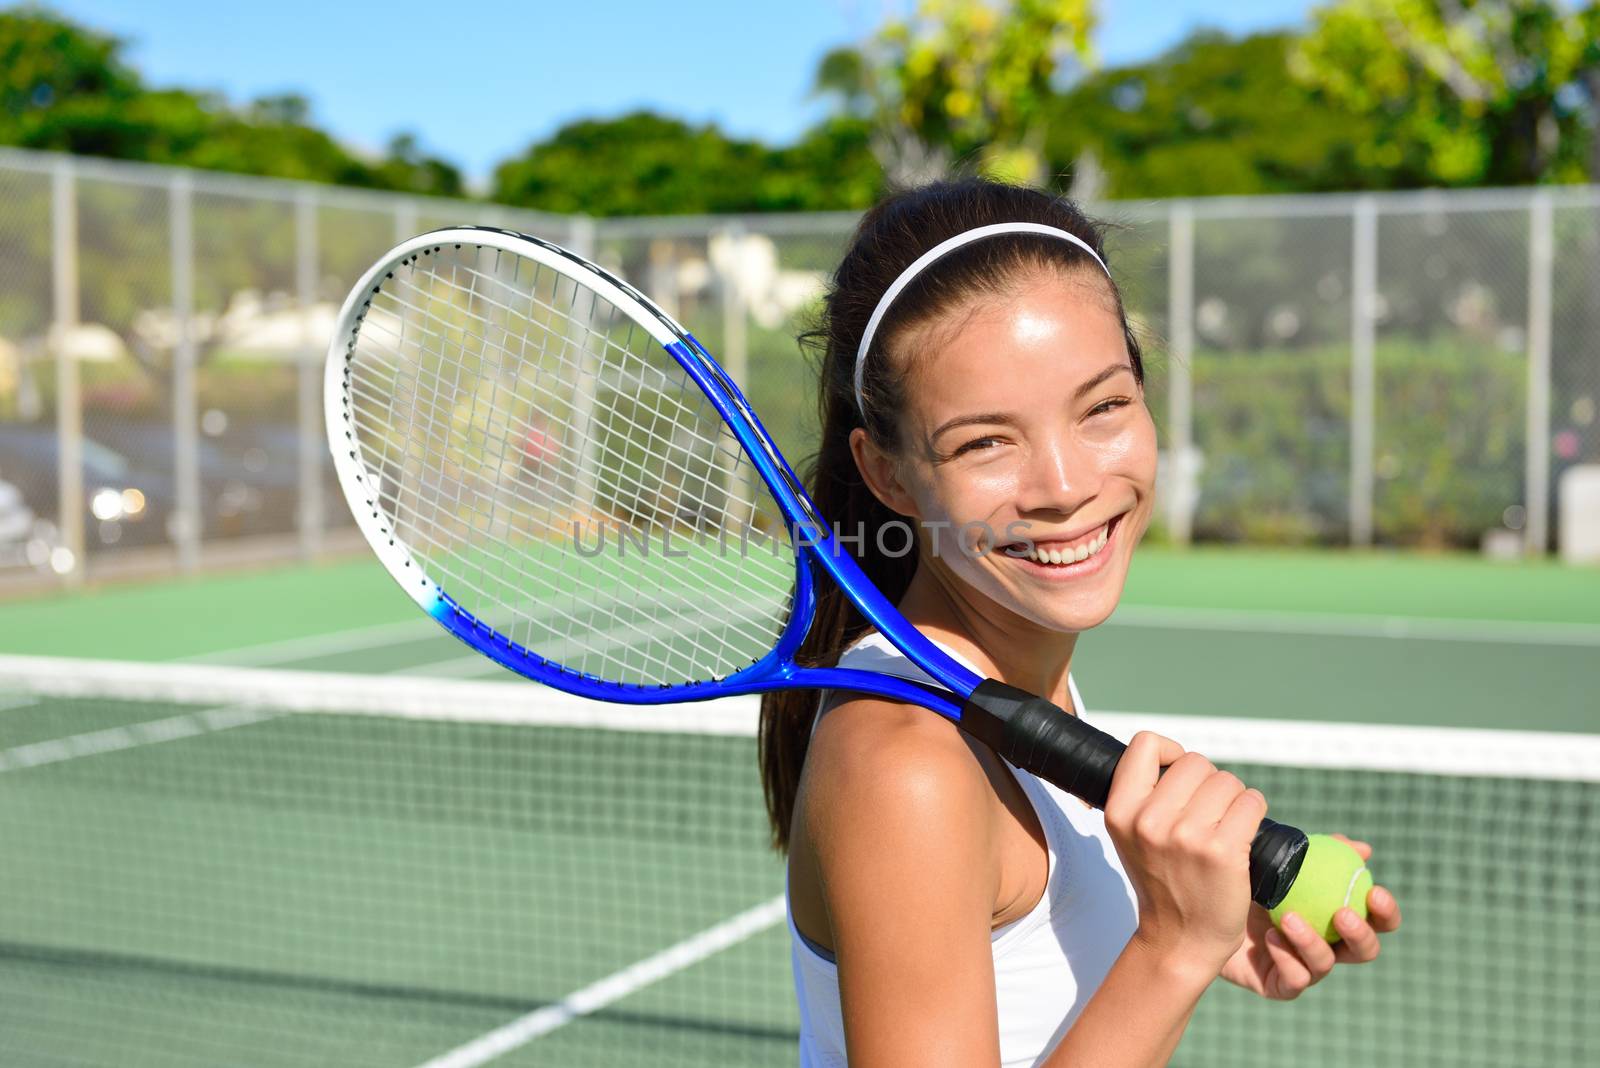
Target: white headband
[{"x": 937, "y": 252}]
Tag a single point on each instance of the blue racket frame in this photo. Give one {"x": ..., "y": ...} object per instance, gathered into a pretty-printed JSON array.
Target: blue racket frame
[
  {"x": 815, "y": 544},
  {"x": 1027, "y": 730}
]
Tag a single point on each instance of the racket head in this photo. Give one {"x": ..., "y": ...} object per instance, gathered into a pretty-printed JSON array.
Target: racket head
[{"x": 495, "y": 404}]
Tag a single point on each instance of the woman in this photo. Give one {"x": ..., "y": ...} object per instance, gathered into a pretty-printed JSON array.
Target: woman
[{"x": 981, "y": 386}]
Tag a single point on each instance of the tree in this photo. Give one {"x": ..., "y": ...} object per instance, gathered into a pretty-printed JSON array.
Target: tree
[
  {"x": 44, "y": 60},
  {"x": 1474, "y": 92},
  {"x": 67, "y": 89},
  {"x": 960, "y": 80},
  {"x": 647, "y": 164},
  {"x": 1212, "y": 116}
]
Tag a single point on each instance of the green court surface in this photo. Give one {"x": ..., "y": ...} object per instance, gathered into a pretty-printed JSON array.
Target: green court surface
[
  {"x": 1348, "y": 637},
  {"x": 360, "y": 890}
]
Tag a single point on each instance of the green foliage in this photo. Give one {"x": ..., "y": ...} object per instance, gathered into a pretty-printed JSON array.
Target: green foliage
[
  {"x": 960, "y": 80},
  {"x": 1466, "y": 92},
  {"x": 1274, "y": 431},
  {"x": 1213, "y": 116},
  {"x": 644, "y": 163},
  {"x": 67, "y": 89},
  {"x": 44, "y": 60}
]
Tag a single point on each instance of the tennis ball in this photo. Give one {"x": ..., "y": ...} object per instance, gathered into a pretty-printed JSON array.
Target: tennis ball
[{"x": 1333, "y": 876}]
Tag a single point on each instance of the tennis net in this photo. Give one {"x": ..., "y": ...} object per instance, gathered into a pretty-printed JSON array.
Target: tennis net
[{"x": 204, "y": 865}]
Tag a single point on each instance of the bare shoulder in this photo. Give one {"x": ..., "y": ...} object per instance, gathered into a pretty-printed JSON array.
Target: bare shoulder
[{"x": 911, "y": 769}]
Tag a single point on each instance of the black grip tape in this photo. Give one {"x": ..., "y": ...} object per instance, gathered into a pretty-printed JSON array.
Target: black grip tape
[{"x": 1060, "y": 748}]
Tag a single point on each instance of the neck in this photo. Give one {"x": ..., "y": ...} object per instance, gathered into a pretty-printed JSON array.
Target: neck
[{"x": 1000, "y": 643}]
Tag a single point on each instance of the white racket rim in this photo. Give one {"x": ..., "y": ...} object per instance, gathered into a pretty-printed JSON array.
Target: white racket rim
[{"x": 363, "y": 497}]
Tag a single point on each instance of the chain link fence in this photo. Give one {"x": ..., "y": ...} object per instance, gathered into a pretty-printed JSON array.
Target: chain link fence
[{"x": 1412, "y": 369}]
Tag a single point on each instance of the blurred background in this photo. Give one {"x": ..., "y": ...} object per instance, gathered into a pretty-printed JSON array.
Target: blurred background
[
  {"x": 1356, "y": 238},
  {"x": 1361, "y": 240}
]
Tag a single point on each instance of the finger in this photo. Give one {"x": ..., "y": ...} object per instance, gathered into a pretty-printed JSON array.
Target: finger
[
  {"x": 1291, "y": 974},
  {"x": 1383, "y": 911},
  {"x": 1360, "y": 847},
  {"x": 1243, "y": 818},
  {"x": 1136, "y": 774},
  {"x": 1359, "y": 941},
  {"x": 1179, "y": 782},
  {"x": 1139, "y": 769},
  {"x": 1309, "y": 944},
  {"x": 1211, "y": 800}
]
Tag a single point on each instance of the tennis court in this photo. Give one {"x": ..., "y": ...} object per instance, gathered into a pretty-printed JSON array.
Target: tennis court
[{"x": 312, "y": 830}]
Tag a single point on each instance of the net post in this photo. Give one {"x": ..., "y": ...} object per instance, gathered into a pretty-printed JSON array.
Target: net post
[
  {"x": 308, "y": 517},
  {"x": 1541, "y": 256},
  {"x": 186, "y": 527},
  {"x": 69, "y": 408},
  {"x": 1180, "y": 492},
  {"x": 1363, "y": 329}
]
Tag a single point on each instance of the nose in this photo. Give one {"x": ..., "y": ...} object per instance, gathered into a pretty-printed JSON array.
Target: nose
[{"x": 1057, "y": 477}]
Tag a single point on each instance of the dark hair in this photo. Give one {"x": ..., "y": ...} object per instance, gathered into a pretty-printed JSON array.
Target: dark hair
[{"x": 889, "y": 238}]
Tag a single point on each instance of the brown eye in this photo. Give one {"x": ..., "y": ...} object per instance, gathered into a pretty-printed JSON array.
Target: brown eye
[{"x": 974, "y": 444}]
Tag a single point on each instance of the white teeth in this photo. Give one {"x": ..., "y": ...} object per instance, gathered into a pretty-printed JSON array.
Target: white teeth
[{"x": 1071, "y": 556}]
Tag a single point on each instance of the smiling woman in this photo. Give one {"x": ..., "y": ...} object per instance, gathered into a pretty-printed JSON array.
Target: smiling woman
[{"x": 982, "y": 389}]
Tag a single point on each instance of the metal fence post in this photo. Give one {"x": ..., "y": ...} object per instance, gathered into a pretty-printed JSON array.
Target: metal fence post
[
  {"x": 1363, "y": 328},
  {"x": 735, "y": 349},
  {"x": 582, "y": 236},
  {"x": 186, "y": 529},
  {"x": 405, "y": 220},
  {"x": 308, "y": 518},
  {"x": 1181, "y": 493},
  {"x": 1541, "y": 256},
  {"x": 69, "y": 406},
  {"x": 735, "y": 317}
]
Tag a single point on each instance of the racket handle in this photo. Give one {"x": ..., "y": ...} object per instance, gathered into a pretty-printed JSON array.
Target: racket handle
[{"x": 1060, "y": 748}]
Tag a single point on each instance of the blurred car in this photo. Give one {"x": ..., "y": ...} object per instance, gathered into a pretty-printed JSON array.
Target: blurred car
[
  {"x": 244, "y": 488},
  {"x": 26, "y": 539},
  {"x": 124, "y": 504}
]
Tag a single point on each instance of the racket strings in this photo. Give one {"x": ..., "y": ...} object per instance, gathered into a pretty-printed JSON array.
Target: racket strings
[
  {"x": 705, "y": 413},
  {"x": 510, "y": 420}
]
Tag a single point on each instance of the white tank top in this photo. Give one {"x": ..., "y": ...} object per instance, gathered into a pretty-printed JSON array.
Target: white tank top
[{"x": 1047, "y": 964}]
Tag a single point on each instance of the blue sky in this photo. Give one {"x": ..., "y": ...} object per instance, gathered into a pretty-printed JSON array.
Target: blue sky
[{"x": 478, "y": 81}]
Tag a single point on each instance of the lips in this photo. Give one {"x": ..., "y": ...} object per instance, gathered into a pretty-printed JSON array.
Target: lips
[{"x": 1061, "y": 554}]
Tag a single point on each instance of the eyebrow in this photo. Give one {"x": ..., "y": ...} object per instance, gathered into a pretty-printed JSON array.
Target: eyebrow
[{"x": 1001, "y": 417}]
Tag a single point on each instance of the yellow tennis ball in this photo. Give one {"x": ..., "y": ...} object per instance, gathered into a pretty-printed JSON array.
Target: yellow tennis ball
[{"x": 1333, "y": 876}]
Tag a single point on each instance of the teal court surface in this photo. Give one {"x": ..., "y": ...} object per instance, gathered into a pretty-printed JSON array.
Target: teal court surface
[{"x": 293, "y": 823}]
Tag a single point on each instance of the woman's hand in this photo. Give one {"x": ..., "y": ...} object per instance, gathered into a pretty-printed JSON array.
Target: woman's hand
[
  {"x": 1282, "y": 964},
  {"x": 1184, "y": 839}
]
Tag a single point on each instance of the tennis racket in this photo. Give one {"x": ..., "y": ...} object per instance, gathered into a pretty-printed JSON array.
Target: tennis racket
[{"x": 561, "y": 476}]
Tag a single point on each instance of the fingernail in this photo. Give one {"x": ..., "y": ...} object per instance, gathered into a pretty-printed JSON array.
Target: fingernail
[
  {"x": 1347, "y": 920},
  {"x": 1294, "y": 924},
  {"x": 1382, "y": 898}
]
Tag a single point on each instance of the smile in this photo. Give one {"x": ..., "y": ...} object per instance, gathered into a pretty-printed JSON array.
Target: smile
[{"x": 1063, "y": 554}]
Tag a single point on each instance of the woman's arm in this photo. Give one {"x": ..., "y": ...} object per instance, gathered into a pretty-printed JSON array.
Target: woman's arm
[
  {"x": 900, "y": 815},
  {"x": 1182, "y": 830},
  {"x": 898, "y": 812},
  {"x": 1139, "y": 1012}
]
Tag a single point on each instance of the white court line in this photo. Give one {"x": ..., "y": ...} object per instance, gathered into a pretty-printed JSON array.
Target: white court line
[
  {"x": 613, "y": 988},
  {"x": 93, "y": 743},
  {"x": 1419, "y": 628},
  {"x": 315, "y": 646}
]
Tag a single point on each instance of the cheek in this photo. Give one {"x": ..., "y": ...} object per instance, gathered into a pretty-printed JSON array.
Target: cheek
[{"x": 1130, "y": 451}]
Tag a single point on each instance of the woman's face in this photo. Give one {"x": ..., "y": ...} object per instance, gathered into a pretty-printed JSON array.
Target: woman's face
[{"x": 1025, "y": 429}]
